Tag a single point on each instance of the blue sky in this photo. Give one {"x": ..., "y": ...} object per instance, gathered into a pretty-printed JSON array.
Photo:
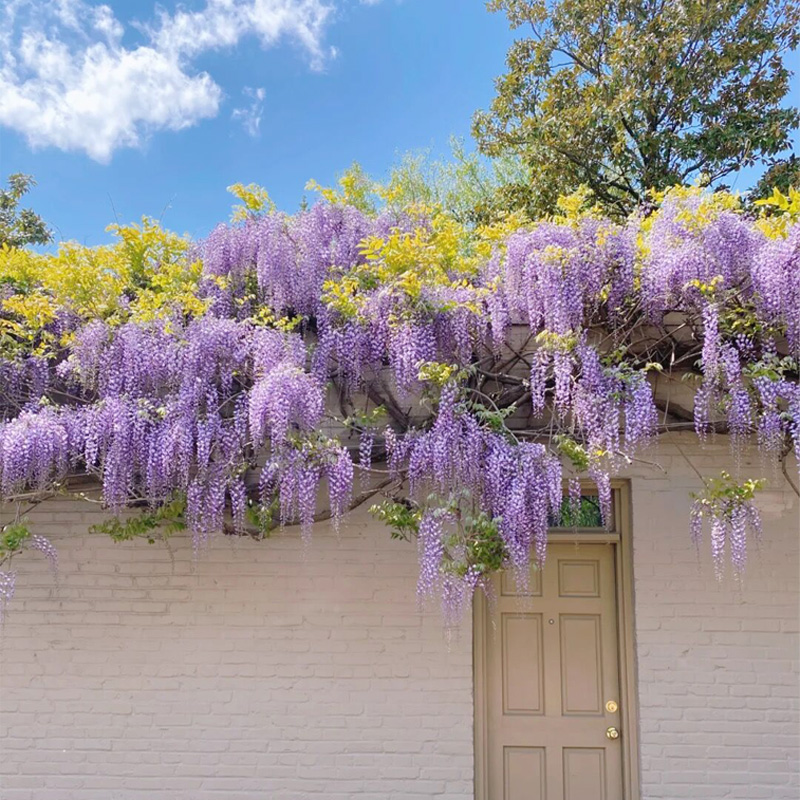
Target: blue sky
[
  {"x": 405, "y": 76},
  {"x": 168, "y": 108}
]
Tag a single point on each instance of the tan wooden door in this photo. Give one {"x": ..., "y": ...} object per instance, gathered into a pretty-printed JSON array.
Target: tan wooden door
[{"x": 551, "y": 669}]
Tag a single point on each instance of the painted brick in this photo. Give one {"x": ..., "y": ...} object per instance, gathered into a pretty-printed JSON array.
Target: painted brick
[
  {"x": 712, "y": 724},
  {"x": 275, "y": 669},
  {"x": 258, "y": 670}
]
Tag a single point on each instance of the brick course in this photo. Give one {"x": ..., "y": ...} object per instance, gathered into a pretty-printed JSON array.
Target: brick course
[
  {"x": 258, "y": 670},
  {"x": 718, "y": 662},
  {"x": 275, "y": 670}
]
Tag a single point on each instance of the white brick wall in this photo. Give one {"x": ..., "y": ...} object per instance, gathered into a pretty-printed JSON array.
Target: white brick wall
[
  {"x": 717, "y": 662},
  {"x": 261, "y": 670},
  {"x": 266, "y": 670}
]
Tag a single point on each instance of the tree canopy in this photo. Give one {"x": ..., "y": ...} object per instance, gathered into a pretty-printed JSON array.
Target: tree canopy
[
  {"x": 20, "y": 226},
  {"x": 625, "y": 96},
  {"x": 783, "y": 174},
  {"x": 466, "y": 378}
]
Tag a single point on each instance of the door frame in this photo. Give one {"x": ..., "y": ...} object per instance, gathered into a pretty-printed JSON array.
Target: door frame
[{"x": 618, "y": 537}]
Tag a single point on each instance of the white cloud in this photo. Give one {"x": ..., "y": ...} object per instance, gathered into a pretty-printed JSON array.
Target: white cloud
[
  {"x": 221, "y": 23},
  {"x": 67, "y": 79},
  {"x": 250, "y": 116}
]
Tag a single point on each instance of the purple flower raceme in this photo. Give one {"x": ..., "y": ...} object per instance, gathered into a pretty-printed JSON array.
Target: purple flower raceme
[
  {"x": 559, "y": 315},
  {"x": 366, "y": 445},
  {"x": 35, "y": 449},
  {"x": 46, "y": 548},
  {"x": 287, "y": 396},
  {"x": 8, "y": 582},
  {"x": 775, "y": 275}
]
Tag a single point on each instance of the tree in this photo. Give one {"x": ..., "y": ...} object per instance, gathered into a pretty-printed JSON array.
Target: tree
[
  {"x": 783, "y": 175},
  {"x": 630, "y": 95},
  {"x": 20, "y": 226},
  {"x": 472, "y": 189}
]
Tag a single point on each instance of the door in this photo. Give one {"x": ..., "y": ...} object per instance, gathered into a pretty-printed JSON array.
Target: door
[{"x": 552, "y": 683}]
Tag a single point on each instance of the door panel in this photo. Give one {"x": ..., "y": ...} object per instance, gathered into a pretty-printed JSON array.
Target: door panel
[
  {"x": 584, "y": 773},
  {"x": 523, "y": 687},
  {"x": 524, "y": 773},
  {"x": 581, "y": 664},
  {"x": 578, "y": 578},
  {"x": 550, "y": 668}
]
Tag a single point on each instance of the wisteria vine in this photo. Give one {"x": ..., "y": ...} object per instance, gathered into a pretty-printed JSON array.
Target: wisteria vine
[{"x": 244, "y": 381}]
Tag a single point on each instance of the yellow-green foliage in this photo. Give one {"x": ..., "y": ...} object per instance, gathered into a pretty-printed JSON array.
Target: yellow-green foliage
[
  {"x": 437, "y": 373},
  {"x": 356, "y": 189},
  {"x": 556, "y": 342},
  {"x": 779, "y": 212},
  {"x": 695, "y": 216},
  {"x": 438, "y": 251},
  {"x": 148, "y": 273},
  {"x": 263, "y": 317},
  {"x": 573, "y": 207},
  {"x": 145, "y": 274},
  {"x": 255, "y": 201}
]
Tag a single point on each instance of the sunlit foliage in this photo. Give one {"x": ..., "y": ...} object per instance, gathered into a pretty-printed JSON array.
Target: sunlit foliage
[
  {"x": 630, "y": 96},
  {"x": 20, "y": 227},
  {"x": 288, "y": 367}
]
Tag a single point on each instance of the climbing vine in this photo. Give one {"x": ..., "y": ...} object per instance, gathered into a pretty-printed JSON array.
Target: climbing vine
[{"x": 290, "y": 367}]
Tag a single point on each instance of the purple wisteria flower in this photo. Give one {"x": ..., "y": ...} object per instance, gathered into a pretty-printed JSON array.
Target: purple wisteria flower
[{"x": 555, "y": 332}]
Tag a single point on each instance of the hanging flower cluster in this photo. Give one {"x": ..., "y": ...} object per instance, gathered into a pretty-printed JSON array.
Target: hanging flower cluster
[{"x": 239, "y": 382}]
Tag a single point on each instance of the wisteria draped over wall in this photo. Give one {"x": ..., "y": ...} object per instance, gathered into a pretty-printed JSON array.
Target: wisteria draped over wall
[{"x": 471, "y": 375}]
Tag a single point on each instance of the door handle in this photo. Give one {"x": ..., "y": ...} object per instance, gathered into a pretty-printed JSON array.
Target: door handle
[{"x": 612, "y": 733}]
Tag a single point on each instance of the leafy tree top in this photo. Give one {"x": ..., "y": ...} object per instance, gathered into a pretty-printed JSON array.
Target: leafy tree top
[
  {"x": 372, "y": 343},
  {"x": 783, "y": 175},
  {"x": 20, "y": 226},
  {"x": 625, "y": 96}
]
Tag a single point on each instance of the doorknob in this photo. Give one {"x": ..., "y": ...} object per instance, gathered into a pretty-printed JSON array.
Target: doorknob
[{"x": 612, "y": 733}]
